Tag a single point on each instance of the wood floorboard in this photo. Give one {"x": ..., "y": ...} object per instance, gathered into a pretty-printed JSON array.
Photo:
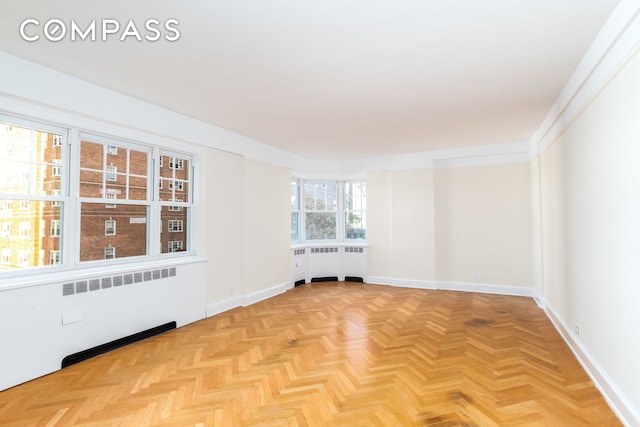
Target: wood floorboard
[{"x": 331, "y": 354}]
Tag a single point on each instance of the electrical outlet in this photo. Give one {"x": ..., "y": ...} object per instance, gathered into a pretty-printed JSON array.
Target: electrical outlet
[
  {"x": 477, "y": 278},
  {"x": 577, "y": 330}
]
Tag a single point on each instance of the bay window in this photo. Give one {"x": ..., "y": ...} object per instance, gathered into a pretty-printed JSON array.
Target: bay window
[{"x": 329, "y": 210}]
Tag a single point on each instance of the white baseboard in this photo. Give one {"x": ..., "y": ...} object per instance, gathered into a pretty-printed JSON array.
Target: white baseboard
[
  {"x": 266, "y": 293},
  {"x": 487, "y": 288},
  {"x": 245, "y": 300},
  {"x": 222, "y": 306},
  {"x": 483, "y": 288},
  {"x": 619, "y": 403},
  {"x": 404, "y": 283}
]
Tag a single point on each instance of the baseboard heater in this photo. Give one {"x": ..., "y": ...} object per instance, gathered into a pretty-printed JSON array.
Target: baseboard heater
[
  {"x": 324, "y": 279},
  {"x": 354, "y": 279},
  {"x": 299, "y": 283},
  {"x": 121, "y": 342}
]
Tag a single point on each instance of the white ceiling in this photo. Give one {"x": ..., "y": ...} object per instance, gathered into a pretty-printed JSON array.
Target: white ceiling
[{"x": 334, "y": 79}]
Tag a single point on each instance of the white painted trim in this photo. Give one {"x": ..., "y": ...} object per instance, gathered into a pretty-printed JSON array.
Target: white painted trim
[
  {"x": 483, "y": 288},
  {"x": 619, "y": 403},
  {"x": 618, "y": 39},
  {"x": 487, "y": 288},
  {"x": 266, "y": 293},
  {"x": 222, "y": 306},
  {"x": 403, "y": 283}
]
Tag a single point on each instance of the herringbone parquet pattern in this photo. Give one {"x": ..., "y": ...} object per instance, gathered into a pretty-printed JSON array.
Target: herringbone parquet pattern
[{"x": 331, "y": 354}]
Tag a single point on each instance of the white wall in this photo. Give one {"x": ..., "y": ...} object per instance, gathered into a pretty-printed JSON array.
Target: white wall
[
  {"x": 223, "y": 225},
  {"x": 34, "y": 339},
  {"x": 400, "y": 229},
  {"x": 591, "y": 233},
  {"x": 450, "y": 227},
  {"x": 266, "y": 230},
  {"x": 483, "y": 221}
]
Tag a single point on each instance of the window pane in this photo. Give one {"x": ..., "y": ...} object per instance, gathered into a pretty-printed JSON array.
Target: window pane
[
  {"x": 295, "y": 235},
  {"x": 91, "y": 155},
  {"x": 29, "y": 229},
  {"x": 30, "y": 163},
  {"x": 137, "y": 188},
  {"x": 320, "y": 225},
  {"x": 173, "y": 236},
  {"x": 123, "y": 227},
  {"x": 356, "y": 225},
  {"x": 320, "y": 196},
  {"x": 138, "y": 162},
  {"x": 355, "y": 204},
  {"x": 294, "y": 195}
]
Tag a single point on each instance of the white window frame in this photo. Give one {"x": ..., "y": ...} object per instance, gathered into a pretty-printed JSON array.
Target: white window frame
[
  {"x": 54, "y": 257},
  {"x": 175, "y": 226},
  {"x": 67, "y": 203},
  {"x": 54, "y": 229},
  {"x": 109, "y": 252},
  {"x": 112, "y": 173},
  {"x": 55, "y": 167},
  {"x": 175, "y": 246},
  {"x": 24, "y": 230},
  {"x": 176, "y": 163},
  {"x": 110, "y": 227},
  {"x": 341, "y": 212},
  {"x": 23, "y": 257},
  {"x": 6, "y": 256}
]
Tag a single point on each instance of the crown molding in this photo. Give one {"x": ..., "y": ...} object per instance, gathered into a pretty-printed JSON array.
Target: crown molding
[{"x": 616, "y": 42}]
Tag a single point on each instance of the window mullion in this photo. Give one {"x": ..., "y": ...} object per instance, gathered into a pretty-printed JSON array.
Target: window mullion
[{"x": 70, "y": 188}]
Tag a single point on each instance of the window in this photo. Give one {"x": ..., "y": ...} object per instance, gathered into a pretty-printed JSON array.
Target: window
[
  {"x": 55, "y": 167},
  {"x": 55, "y": 193},
  {"x": 106, "y": 183},
  {"x": 176, "y": 202},
  {"x": 6, "y": 256},
  {"x": 6, "y": 230},
  {"x": 175, "y": 225},
  {"x": 177, "y": 164},
  {"x": 114, "y": 189},
  {"x": 112, "y": 173},
  {"x": 55, "y": 228},
  {"x": 176, "y": 208},
  {"x": 355, "y": 210},
  {"x": 178, "y": 185},
  {"x": 25, "y": 230},
  {"x": 174, "y": 246},
  {"x": 328, "y": 210},
  {"x": 23, "y": 258},
  {"x": 54, "y": 257},
  {"x": 295, "y": 210},
  {"x": 110, "y": 227},
  {"x": 109, "y": 252},
  {"x": 321, "y": 210},
  {"x": 111, "y": 194}
]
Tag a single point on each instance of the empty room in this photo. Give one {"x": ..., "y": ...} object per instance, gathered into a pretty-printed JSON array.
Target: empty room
[{"x": 320, "y": 213}]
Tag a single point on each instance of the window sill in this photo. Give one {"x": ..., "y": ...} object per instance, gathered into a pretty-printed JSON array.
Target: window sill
[
  {"x": 358, "y": 243},
  {"x": 73, "y": 273}
]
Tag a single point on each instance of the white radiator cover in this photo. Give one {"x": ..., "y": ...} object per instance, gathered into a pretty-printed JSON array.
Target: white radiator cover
[{"x": 337, "y": 260}]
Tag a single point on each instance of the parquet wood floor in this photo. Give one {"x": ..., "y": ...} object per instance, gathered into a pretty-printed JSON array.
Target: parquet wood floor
[{"x": 331, "y": 354}]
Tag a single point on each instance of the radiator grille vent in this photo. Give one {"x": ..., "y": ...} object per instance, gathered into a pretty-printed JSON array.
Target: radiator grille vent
[
  {"x": 299, "y": 251},
  {"x": 323, "y": 250},
  {"x": 353, "y": 249},
  {"x": 107, "y": 282}
]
